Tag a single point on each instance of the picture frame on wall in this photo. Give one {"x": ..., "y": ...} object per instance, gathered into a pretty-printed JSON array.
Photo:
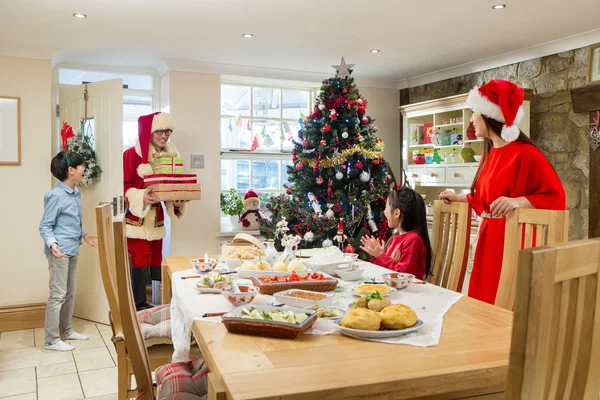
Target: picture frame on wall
[
  {"x": 10, "y": 130},
  {"x": 594, "y": 64}
]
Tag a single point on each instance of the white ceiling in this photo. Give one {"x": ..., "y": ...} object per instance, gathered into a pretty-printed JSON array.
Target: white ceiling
[{"x": 295, "y": 39}]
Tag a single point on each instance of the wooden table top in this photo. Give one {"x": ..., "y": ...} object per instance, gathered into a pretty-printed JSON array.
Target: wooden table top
[{"x": 470, "y": 360}]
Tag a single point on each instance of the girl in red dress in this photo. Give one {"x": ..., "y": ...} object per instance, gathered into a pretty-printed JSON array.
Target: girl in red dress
[
  {"x": 408, "y": 250},
  {"x": 512, "y": 173}
]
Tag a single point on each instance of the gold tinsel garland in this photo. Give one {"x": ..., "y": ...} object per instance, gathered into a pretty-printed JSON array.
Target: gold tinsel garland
[{"x": 345, "y": 154}]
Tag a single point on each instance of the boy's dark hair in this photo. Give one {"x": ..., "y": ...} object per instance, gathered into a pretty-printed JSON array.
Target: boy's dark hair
[
  {"x": 414, "y": 218},
  {"x": 62, "y": 161}
]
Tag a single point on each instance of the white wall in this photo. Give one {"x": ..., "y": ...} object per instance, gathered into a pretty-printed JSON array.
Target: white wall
[
  {"x": 194, "y": 101},
  {"x": 23, "y": 266},
  {"x": 383, "y": 105}
]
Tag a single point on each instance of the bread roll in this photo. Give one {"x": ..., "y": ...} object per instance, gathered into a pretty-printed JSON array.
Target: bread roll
[
  {"x": 398, "y": 316},
  {"x": 361, "y": 318}
]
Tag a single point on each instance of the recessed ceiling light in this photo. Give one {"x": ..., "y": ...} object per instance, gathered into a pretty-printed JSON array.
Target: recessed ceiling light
[
  {"x": 375, "y": 51},
  {"x": 79, "y": 15},
  {"x": 248, "y": 35},
  {"x": 499, "y": 6}
]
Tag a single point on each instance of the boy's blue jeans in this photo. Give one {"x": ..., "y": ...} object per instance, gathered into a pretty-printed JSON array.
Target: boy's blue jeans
[{"x": 61, "y": 300}]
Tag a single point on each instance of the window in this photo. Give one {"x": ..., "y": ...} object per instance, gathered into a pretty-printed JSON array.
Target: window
[
  {"x": 263, "y": 116},
  {"x": 138, "y": 95}
]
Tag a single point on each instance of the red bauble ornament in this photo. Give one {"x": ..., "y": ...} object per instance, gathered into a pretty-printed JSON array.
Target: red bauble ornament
[
  {"x": 376, "y": 161},
  {"x": 343, "y": 166},
  {"x": 299, "y": 166},
  {"x": 358, "y": 165},
  {"x": 348, "y": 107},
  {"x": 323, "y": 142},
  {"x": 344, "y": 91},
  {"x": 326, "y": 128},
  {"x": 289, "y": 191},
  {"x": 349, "y": 249},
  {"x": 365, "y": 120},
  {"x": 320, "y": 180},
  {"x": 337, "y": 207},
  {"x": 378, "y": 139},
  {"x": 305, "y": 143}
]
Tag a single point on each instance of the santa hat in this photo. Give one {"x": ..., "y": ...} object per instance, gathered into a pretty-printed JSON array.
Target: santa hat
[
  {"x": 341, "y": 226},
  {"x": 147, "y": 124},
  {"x": 250, "y": 196},
  {"x": 500, "y": 100}
]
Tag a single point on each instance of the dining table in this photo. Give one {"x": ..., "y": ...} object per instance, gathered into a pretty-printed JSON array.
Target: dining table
[{"x": 469, "y": 360}]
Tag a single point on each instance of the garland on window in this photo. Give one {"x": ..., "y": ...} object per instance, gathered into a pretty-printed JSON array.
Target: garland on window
[{"x": 83, "y": 144}]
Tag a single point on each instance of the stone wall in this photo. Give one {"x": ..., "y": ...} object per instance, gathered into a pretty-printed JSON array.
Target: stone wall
[{"x": 555, "y": 128}]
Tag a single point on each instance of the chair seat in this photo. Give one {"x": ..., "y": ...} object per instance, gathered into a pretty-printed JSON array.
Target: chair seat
[
  {"x": 156, "y": 325},
  {"x": 181, "y": 381}
]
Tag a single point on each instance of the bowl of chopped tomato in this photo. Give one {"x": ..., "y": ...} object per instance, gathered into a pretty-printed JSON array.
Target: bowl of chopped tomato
[{"x": 316, "y": 281}]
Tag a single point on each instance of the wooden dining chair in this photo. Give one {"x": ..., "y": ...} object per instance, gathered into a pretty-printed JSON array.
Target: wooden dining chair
[
  {"x": 555, "y": 349},
  {"x": 527, "y": 228},
  {"x": 178, "y": 380},
  {"x": 450, "y": 242},
  {"x": 159, "y": 354}
]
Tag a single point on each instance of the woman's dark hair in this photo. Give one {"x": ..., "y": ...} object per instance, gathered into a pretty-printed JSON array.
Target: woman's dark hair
[
  {"x": 62, "y": 161},
  {"x": 414, "y": 217},
  {"x": 496, "y": 127}
]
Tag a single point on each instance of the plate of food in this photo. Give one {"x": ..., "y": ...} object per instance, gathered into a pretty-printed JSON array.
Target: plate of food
[
  {"x": 316, "y": 282},
  {"x": 212, "y": 283},
  {"x": 370, "y": 288},
  {"x": 373, "y": 301},
  {"x": 280, "y": 322},
  {"x": 393, "y": 321},
  {"x": 328, "y": 312},
  {"x": 303, "y": 298}
]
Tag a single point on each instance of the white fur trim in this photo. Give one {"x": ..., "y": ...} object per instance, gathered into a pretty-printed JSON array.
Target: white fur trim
[
  {"x": 144, "y": 169},
  {"x": 481, "y": 104},
  {"x": 169, "y": 148},
  {"x": 171, "y": 211},
  {"x": 147, "y": 231},
  {"x": 135, "y": 198},
  {"x": 519, "y": 116},
  {"x": 510, "y": 133},
  {"x": 162, "y": 121}
]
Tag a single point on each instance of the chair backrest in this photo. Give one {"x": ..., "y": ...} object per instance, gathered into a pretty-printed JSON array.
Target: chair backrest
[
  {"x": 450, "y": 243},
  {"x": 527, "y": 228},
  {"x": 108, "y": 268},
  {"x": 555, "y": 350},
  {"x": 134, "y": 341}
]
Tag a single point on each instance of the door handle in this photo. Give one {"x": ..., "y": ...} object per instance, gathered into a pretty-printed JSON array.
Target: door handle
[
  {"x": 456, "y": 174},
  {"x": 113, "y": 203},
  {"x": 433, "y": 174}
]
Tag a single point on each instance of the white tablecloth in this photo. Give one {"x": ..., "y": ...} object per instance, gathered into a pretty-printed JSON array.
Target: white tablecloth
[{"x": 429, "y": 301}]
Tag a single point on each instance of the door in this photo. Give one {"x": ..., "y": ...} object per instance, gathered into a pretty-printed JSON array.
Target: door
[{"x": 105, "y": 107}]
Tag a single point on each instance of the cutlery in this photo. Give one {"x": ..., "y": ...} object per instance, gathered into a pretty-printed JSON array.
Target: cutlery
[{"x": 214, "y": 314}]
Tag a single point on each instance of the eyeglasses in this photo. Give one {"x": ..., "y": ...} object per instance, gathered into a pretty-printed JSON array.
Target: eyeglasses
[{"x": 166, "y": 133}]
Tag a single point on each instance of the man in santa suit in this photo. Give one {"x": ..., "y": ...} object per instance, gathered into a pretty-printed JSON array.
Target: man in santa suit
[{"x": 144, "y": 216}]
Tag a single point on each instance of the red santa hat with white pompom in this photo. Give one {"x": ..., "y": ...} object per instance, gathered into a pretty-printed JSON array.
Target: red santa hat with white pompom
[
  {"x": 501, "y": 100},
  {"x": 250, "y": 196}
]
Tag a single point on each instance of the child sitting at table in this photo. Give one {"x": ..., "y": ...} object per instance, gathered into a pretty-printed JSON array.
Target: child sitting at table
[{"x": 408, "y": 250}]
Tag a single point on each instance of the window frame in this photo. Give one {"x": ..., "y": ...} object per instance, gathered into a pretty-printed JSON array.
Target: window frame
[{"x": 281, "y": 155}]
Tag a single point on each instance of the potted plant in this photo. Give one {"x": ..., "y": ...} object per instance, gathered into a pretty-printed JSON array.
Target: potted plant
[{"x": 232, "y": 205}]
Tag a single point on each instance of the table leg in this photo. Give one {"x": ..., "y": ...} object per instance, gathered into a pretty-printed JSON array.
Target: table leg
[
  {"x": 166, "y": 283},
  {"x": 216, "y": 390}
]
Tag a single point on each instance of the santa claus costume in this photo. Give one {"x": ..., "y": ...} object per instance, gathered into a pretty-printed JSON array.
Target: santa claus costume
[
  {"x": 145, "y": 222},
  {"x": 517, "y": 169}
]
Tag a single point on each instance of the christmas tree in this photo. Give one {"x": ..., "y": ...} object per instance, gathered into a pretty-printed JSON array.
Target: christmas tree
[{"x": 339, "y": 178}]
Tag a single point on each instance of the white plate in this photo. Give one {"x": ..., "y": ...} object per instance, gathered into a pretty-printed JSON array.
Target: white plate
[
  {"x": 334, "y": 318},
  {"x": 247, "y": 273},
  {"x": 300, "y": 302},
  {"x": 208, "y": 290},
  {"x": 391, "y": 290},
  {"x": 381, "y": 334}
]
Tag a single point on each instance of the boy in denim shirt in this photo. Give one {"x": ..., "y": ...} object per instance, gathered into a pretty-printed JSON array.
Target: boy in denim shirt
[{"x": 62, "y": 233}]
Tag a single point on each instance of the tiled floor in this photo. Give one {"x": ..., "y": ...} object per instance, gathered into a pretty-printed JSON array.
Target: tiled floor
[{"x": 29, "y": 372}]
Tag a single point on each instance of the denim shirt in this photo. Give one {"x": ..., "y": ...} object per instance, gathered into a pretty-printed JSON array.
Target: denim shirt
[{"x": 61, "y": 222}]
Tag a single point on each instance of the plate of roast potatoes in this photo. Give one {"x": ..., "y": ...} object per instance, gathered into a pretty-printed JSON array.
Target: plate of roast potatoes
[{"x": 375, "y": 317}]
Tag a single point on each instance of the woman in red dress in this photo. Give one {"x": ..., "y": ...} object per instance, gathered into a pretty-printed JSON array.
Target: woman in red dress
[{"x": 513, "y": 173}]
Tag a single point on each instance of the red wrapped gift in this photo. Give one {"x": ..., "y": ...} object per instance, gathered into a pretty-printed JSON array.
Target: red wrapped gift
[{"x": 169, "y": 179}]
